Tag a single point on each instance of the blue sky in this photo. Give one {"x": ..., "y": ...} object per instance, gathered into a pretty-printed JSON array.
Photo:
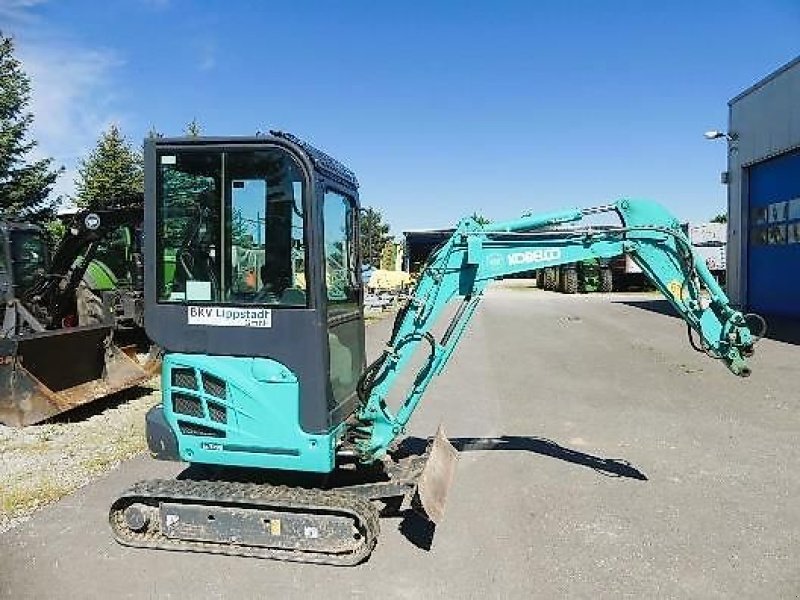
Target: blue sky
[{"x": 441, "y": 108}]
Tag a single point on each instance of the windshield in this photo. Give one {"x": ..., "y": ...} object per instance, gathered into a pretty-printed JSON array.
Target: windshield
[
  {"x": 28, "y": 257},
  {"x": 230, "y": 228},
  {"x": 115, "y": 251}
]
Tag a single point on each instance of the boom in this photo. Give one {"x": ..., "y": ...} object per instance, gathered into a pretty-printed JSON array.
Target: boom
[{"x": 475, "y": 255}]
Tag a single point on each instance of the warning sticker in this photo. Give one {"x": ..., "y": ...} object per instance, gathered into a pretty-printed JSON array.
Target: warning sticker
[
  {"x": 229, "y": 316},
  {"x": 678, "y": 290}
]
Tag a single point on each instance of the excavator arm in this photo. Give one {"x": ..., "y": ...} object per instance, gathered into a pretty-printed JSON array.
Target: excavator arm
[{"x": 459, "y": 271}]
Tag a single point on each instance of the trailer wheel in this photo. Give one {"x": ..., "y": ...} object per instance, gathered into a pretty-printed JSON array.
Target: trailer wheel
[
  {"x": 570, "y": 281},
  {"x": 549, "y": 279},
  {"x": 606, "y": 281},
  {"x": 540, "y": 279}
]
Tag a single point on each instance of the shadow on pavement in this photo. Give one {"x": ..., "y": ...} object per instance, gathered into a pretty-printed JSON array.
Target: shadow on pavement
[
  {"x": 612, "y": 467},
  {"x": 86, "y": 411},
  {"x": 419, "y": 531},
  {"x": 415, "y": 528},
  {"x": 779, "y": 328}
]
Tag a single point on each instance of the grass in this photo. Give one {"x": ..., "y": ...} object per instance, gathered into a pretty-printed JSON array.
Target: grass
[
  {"x": 36, "y": 446},
  {"x": 121, "y": 447},
  {"x": 46, "y": 463},
  {"x": 29, "y": 496},
  {"x": 22, "y": 496}
]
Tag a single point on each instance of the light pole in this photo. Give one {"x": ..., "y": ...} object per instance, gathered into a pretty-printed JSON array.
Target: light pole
[{"x": 716, "y": 135}]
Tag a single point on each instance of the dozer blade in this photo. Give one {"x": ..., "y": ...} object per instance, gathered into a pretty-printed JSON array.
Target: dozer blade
[
  {"x": 436, "y": 478},
  {"x": 46, "y": 373}
]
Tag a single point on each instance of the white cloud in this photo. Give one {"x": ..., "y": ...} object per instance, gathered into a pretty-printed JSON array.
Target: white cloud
[
  {"x": 72, "y": 102},
  {"x": 18, "y": 11},
  {"x": 72, "y": 91}
]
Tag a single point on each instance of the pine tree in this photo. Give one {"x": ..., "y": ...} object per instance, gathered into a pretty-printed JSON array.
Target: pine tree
[
  {"x": 24, "y": 186},
  {"x": 193, "y": 128},
  {"x": 374, "y": 235},
  {"x": 111, "y": 175}
]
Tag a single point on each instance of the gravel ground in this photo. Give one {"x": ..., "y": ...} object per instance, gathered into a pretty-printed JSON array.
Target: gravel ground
[{"x": 41, "y": 463}]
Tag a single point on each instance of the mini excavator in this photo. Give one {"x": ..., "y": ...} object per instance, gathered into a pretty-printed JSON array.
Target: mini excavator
[{"x": 253, "y": 291}]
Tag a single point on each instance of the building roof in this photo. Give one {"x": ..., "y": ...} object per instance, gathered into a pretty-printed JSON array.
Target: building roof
[
  {"x": 791, "y": 64},
  {"x": 413, "y": 231},
  {"x": 421, "y": 236}
]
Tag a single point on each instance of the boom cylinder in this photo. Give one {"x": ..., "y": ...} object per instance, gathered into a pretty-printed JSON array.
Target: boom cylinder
[{"x": 535, "y": 221}]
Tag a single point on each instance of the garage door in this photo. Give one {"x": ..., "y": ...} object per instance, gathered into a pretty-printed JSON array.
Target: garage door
[{"x": 773, "y": 273}]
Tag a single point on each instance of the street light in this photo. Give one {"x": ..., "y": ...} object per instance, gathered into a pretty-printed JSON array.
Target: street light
[
  {"x": 731, "y": 138},
  {"x": 715, "y": 135}
]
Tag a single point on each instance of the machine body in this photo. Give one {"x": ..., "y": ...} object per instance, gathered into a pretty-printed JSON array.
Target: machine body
[{"x": 253, "y": 290}]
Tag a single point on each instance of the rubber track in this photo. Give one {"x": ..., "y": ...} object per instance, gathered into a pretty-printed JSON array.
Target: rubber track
[{"x": 249, "y": 495}]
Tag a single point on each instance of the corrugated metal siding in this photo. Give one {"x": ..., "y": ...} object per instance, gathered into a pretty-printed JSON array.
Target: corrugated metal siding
[{"x": 766, "y": 119}]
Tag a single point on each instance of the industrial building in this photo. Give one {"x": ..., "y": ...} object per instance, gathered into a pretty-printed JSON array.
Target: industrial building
[
  {"x": 418, "y": 245},
  {"x": 764, "y": 194}
]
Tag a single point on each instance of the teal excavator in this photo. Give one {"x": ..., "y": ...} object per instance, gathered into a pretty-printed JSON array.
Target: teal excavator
[{"x": 253, "y": 291}]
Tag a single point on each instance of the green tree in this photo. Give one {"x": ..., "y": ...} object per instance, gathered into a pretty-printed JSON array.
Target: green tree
[
  {"x": 24, "y": 185},
  {"x": 111, "y": 175},
  {"x": 186, "y": 197},
  {"x": 241, "y": 232},
  {"x": 389, "y": 256},
  {"x": 193, "y": 128},
  {"x": 480, "y": 219},
  {"x": 374, "y": 235},
  {"x": 720, "y": 218}
]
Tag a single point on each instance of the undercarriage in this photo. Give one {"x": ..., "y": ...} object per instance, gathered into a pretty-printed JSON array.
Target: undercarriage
[{"x": 335, "y": 524}]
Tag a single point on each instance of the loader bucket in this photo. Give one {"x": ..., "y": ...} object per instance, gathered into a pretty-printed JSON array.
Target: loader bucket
[
  {"x": 436, "y": 478},
  {"x": 46, "y": 373}
]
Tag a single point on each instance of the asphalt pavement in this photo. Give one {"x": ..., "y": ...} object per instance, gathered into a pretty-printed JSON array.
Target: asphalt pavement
[{"x": 601, "y": 457}]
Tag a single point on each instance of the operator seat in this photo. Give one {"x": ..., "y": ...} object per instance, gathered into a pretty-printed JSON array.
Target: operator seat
[{"x": 293, "y": 296}]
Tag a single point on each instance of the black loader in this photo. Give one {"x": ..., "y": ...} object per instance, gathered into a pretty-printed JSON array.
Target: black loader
[{"x": 61, "y": 318}]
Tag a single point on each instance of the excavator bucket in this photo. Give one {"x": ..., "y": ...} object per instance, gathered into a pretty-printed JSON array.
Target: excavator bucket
[
  {"x": 49, "y": 372},
  {"x": 436, "y": 478}
]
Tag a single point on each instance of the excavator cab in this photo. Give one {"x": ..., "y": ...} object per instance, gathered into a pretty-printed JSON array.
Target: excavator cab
[{"x": 253, "y": 290}]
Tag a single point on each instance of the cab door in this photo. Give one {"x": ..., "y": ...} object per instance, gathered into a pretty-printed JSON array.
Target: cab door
[{"x": 345, "y": 317}]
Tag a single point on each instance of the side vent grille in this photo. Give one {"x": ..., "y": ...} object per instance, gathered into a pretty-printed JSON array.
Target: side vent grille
[
  {"x": 217, "y": 412},
  {"x": 187, "y": 405},
  {"x": 214, "y": 386},
  {"x": 182, "y": 377},
  {"x": 199, "y": 430}
]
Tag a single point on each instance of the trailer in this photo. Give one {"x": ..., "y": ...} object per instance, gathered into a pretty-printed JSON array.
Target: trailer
[
  {"x": 708, "y": 240},
  {"x": 593, "y": 275}
]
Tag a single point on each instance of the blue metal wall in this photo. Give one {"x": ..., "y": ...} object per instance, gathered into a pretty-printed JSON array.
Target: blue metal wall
[{"x": 773, "y": 269}]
